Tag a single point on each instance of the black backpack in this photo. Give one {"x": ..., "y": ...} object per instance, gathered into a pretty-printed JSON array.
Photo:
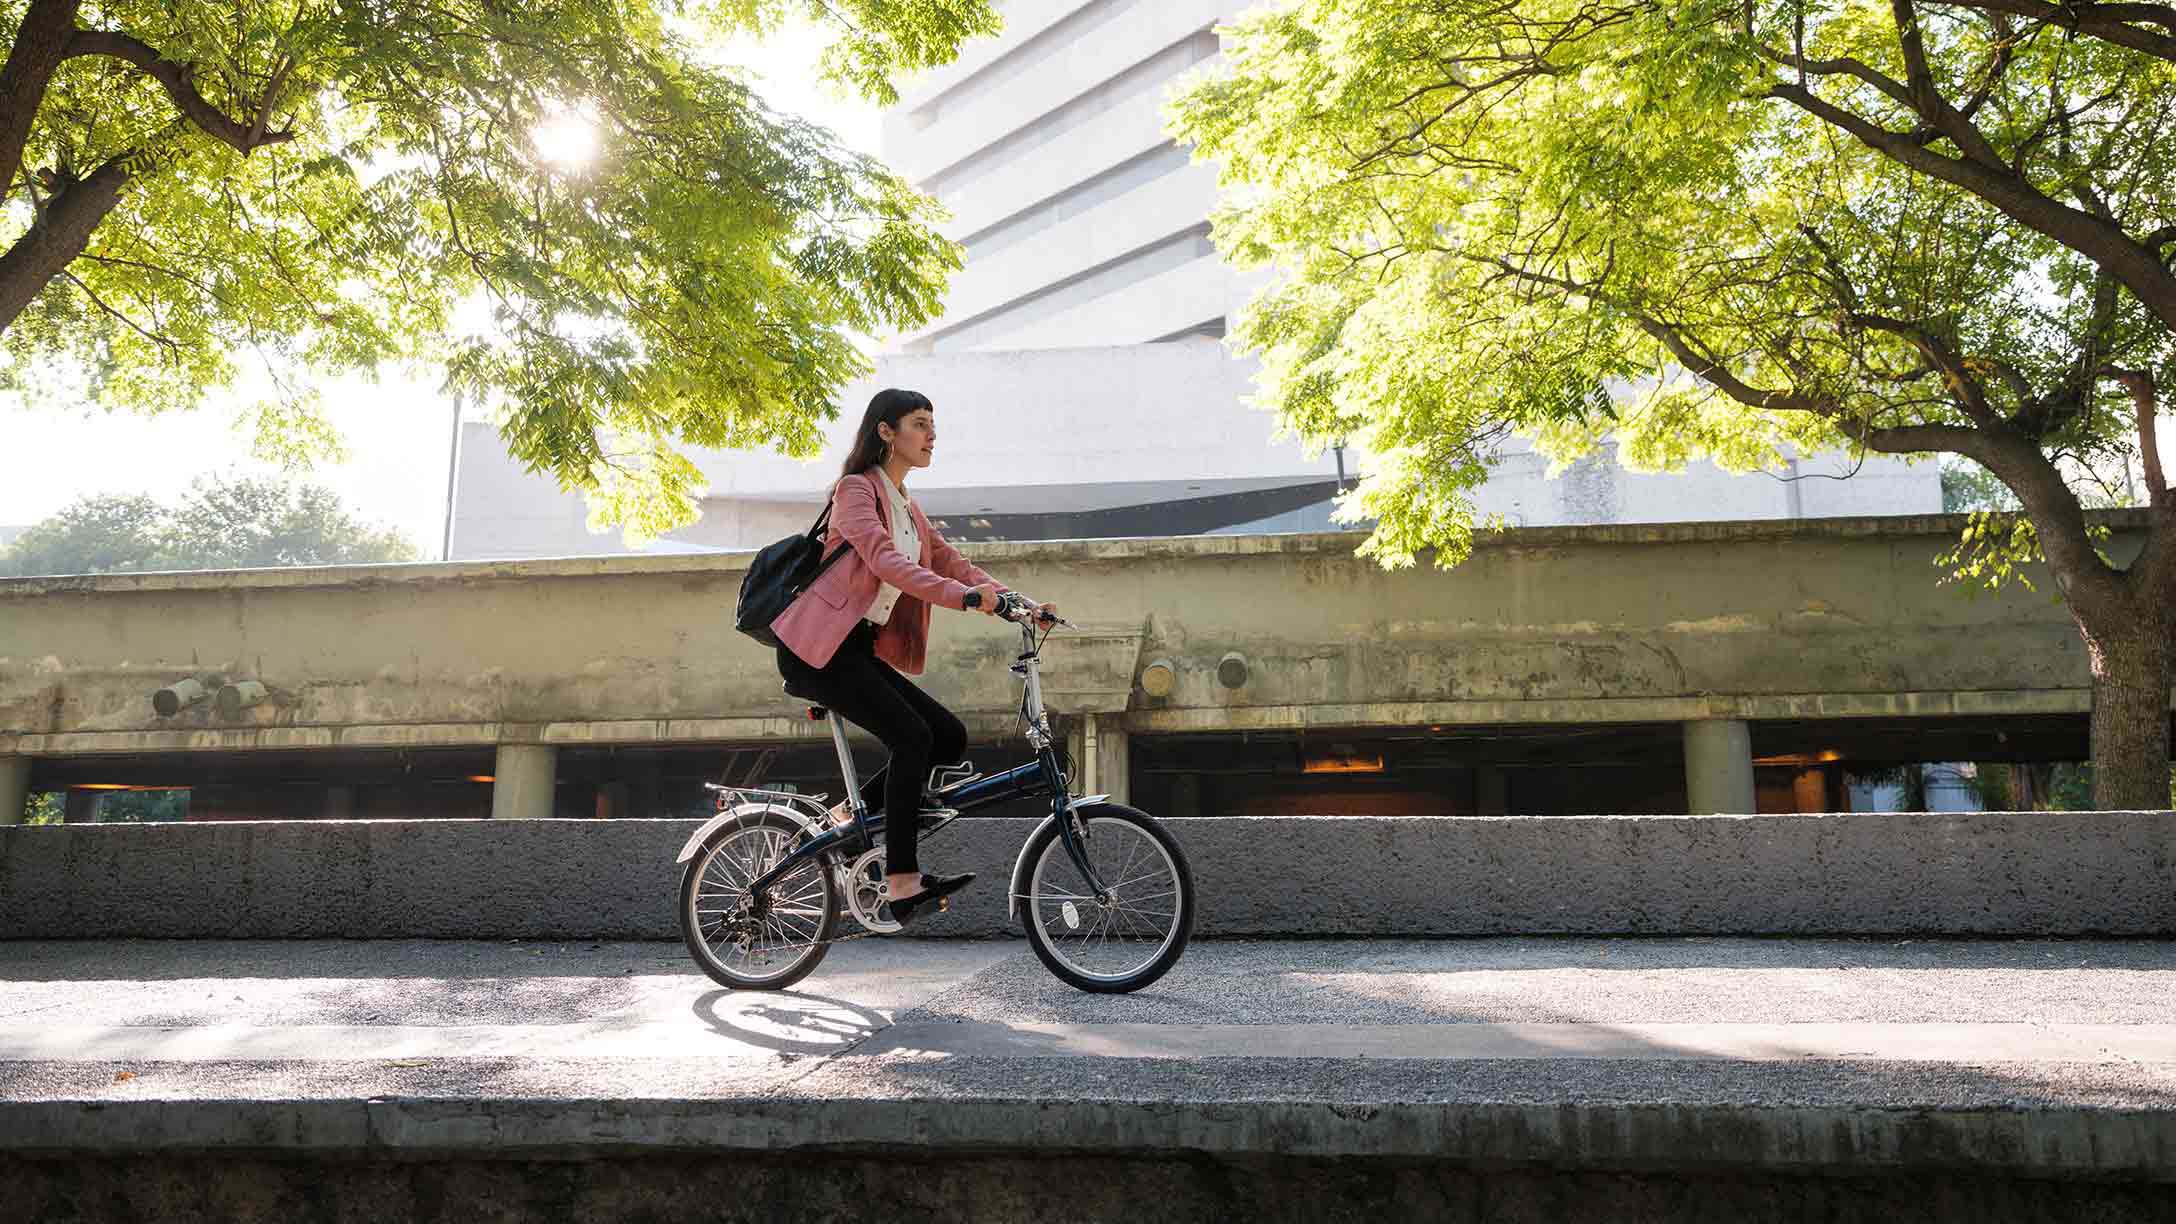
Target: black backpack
[{"x": 777, "y": 577}]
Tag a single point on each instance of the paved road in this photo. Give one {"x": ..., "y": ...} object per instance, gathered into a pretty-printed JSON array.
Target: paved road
[
  {"x": 2015, "y": 1069},
  {"x": 1874, "y": 1022}
]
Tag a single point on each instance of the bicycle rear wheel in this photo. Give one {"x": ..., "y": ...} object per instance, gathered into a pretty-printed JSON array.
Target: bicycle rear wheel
[
  {"x": 746, "y": 946},
  {"x": 1134, "y": 938}
]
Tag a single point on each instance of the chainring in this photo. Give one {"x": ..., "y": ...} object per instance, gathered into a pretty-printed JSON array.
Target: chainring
[{"x": 864, "y": 889}]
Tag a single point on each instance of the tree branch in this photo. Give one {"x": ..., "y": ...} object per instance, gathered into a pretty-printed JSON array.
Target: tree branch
[
  {"x": 1844, "y": 65},
  {"x": 1998, "y": 65},
  {"x": 2107, "y": 22},
  {"x": 1706, "y": 367},
  {"x": 2140, "y": 384},
  {"x": 59, "y": 235},
  {"x": 41, "y": 43},
  {"x": 2057, "y": 517},
  {"x": 166, "y": 342},
  {"x": 1964, "y": 387},
  {"x": 2138, "y": 268},
  {"x": 2015, "y": 459},
  {"x": 1927, "y": 99},
  {"x": 175, "y": 78}
]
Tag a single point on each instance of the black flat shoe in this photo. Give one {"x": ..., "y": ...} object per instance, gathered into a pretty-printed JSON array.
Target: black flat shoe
[{"x": 934, "y": 889}]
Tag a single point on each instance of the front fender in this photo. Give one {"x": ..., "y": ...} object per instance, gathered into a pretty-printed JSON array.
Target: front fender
[
  {"x": 712, "y": 825},
  {"x": 1020, "y": 865}
]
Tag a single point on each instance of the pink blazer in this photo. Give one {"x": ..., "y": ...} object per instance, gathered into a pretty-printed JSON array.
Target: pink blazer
[{"x": 829, "y": 609}]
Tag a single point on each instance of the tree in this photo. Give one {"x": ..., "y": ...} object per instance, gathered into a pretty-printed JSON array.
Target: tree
[
  {"x": 95, "y": 535},
  {"x": 323, "y": 183},
  {"x": 244, "y": 523},
  {"x": 1720, "y": 229},
  {"x": 263, "y": 522}
]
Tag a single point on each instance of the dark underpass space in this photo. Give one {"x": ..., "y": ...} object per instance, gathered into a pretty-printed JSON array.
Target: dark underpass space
[
  {"x": 1800, "y": 765},
  {"x": 1048, "y": 1188},
  {"x": 1631, "y": 769},
  {"x": 639, "y": 780}
]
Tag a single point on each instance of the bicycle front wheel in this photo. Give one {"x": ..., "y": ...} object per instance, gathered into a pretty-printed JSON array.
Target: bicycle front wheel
[
  {"x": 749, "y": 946},
  {"x": 1134, "y": 936}
]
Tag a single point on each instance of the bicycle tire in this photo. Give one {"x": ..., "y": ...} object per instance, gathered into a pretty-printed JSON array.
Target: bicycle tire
[
  {"x": 1044, "y": 841},
  {"x": 691, "y": 929}
]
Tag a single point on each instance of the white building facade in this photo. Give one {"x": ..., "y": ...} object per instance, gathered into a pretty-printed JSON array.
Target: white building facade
[{"x": 1081, "y": 383}]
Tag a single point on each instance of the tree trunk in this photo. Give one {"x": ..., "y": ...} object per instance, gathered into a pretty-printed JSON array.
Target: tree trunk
[
  {"x": 41, "y": 42},
  {"x": 2129, "y": 651},
  {"x": 55, "y": 239}
]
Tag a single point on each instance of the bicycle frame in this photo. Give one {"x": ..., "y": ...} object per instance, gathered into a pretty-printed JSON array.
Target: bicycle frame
[{"x": 1041, "y": 776}]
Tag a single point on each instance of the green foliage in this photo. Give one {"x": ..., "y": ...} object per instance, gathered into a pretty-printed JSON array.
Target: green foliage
[
  {"x": 1590, "y": 220},
  {"x": 1966, "y": 486},
  {"x": 1995, "y": 550},
  {"x": 114, "y": 807},
  {"x": 261, "y": 522},
  {"x": 691, "y": 283},
  {"x": 95, "y": 535},
  {"x": 244, "y": 523},
  {"x": 44, "y": 808},
  {"x": 142, "y": 806},
  {"x": 2059, "y": 786}
]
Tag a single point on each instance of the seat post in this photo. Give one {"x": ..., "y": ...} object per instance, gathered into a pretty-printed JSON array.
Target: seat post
[{"x": 846, "y": 762}]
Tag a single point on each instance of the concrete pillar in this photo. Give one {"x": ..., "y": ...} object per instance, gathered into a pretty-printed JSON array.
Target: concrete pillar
[
  {"x": 14, "y": 787},
  {"x": 1719, "y": 767},
  {"x": 81, "y": 806},
  {"x": 522, "y": 781},
  {"x": 1081, "y": 753},
  {"x": 1114, "y": 772}
]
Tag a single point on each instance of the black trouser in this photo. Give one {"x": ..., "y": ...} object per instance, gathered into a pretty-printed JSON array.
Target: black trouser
[{"x": 874, "y": 696}]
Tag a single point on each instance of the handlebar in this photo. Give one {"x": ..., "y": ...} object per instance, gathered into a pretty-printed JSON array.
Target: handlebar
[{"x": 1014, "y": 607}]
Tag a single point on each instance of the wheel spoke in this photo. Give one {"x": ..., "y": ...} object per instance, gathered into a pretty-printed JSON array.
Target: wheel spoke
[
  {"x": 796, "y": 908},
  {"x": 1115, "y": 941}
]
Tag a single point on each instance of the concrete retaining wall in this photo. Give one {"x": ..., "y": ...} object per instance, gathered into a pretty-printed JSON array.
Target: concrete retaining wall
[{"x": 2067, "y": 873}]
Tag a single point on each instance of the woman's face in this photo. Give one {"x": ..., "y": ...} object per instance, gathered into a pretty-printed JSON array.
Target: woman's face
[{"x": 914, "y": 439}]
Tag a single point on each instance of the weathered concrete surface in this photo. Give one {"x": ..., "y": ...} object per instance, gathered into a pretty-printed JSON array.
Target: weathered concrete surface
[
  {"x": 1571, "y": 624},
  {"x": 213, "y": 1080},
  {"x": 1150, "y": 1189},
  {"x": 1995, "y": 873}
]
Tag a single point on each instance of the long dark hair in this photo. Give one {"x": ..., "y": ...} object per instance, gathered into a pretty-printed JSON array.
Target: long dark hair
[{"x": 886, "y": 407}]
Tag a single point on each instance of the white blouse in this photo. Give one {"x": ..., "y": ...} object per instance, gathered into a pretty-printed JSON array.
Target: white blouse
[{"x": 906, "y": 539}]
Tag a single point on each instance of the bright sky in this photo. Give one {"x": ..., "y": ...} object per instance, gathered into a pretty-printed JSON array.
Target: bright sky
[{"x": 396, "y": 431}]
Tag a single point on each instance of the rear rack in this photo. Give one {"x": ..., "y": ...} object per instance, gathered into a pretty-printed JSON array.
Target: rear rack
[{"x": 730, "y": 795}]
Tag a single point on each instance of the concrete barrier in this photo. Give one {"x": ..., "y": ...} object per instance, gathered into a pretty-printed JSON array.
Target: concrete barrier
[{"x": 1997, "y": 873}]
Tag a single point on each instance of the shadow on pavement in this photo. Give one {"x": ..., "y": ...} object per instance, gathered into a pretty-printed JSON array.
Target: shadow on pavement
[{"x": 789, "y": 1021}]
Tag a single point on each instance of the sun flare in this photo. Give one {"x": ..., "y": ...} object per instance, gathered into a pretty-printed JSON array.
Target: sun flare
[{"x": 568, "y": 139}]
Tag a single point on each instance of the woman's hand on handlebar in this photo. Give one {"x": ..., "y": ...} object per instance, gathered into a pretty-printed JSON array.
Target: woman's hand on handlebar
[
  {"x": 987, "y": 593},
  {"x": 1020, "y": 608}
]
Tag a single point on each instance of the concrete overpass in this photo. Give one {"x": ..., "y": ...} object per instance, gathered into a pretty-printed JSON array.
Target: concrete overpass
[{"x": 1718, "y": 666}]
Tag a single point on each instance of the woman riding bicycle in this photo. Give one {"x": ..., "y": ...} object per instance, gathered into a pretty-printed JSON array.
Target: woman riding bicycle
[{"x": 850, "y": 635}]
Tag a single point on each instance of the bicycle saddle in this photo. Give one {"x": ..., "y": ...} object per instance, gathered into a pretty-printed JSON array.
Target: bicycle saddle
[{"x": 816, "y": 711}]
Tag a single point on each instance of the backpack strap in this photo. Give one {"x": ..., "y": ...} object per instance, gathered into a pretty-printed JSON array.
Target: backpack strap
[{"x": 816, "y": 537}]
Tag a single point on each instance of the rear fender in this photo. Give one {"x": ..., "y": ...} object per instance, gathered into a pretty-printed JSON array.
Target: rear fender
[{"x": 719, "y": 821}]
